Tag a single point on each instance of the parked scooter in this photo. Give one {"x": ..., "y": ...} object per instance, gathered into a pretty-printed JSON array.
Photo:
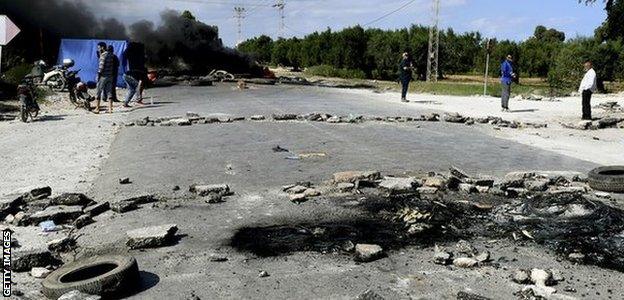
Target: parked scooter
[
  {"x": 55, "y": 78},
  {"x": 78, "y": 91},
  {"x": 28, "y": 102}
]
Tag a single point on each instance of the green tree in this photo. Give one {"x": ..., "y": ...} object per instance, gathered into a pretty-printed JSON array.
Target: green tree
[{"x": 259, "y": 48}]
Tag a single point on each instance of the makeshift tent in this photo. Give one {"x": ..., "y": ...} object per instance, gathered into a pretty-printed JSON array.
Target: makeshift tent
[{"x": 84, "y": 54}]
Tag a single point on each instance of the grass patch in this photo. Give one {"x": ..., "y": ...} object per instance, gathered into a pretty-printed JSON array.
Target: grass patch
[{"x": 330, "y": 71}]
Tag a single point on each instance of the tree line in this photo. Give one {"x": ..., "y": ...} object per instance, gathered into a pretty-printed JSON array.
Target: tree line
[{"x": 375, "y": 53}]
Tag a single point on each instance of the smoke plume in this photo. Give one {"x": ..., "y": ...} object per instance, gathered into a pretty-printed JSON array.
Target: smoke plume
[{"x": 179, "y": 44}]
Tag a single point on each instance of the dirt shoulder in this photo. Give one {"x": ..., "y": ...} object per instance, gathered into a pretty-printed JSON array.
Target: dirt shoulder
[
  {"x": 603, "y": 146},
  {"x": 63, "y": 148}
]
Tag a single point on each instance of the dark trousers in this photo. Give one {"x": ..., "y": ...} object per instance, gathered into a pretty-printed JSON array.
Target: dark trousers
[
  {"x": 587, "y": 104},
  {"x": 405, "y": 86}
]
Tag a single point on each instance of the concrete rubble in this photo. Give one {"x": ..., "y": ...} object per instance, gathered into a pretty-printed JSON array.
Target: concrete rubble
[{"x": 151, "y": 237}]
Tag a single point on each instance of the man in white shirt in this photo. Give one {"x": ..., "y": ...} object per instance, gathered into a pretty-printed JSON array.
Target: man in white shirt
[{"x": 587, "y": 88}]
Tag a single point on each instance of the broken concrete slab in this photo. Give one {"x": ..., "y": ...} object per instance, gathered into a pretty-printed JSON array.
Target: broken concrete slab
[
  {"x": 83, "y": 221},
  {"x": 397, "y": 185},
  {"x": 537, "y": 185},
  {"x": 438, "y": 182},
  {"x": 97, "y": 209},
  {"x": 467, "y": 188},
  {"x": 298, "y": 198},
  {"x": 38, "y": 193},
  {"x": 204, "y": 190},
  {"x": 142, "y": 199},
  {"x": 123, "y": 206},
  {"x": 23, "y": 261},
  {"x": 151, "y": 237},
  {"x": 72, "y": 199},
  {"x": 427, "y": 190},
  {"x": 368, "y": 252},
  {"x": 345, "y": 186},
  {"x": 520, "y": 276},
  {"x": 284, "y": 117},
  {"x": 355, "y": 176},
  {"x": 40, "y": 273},
  {"x": 59, "y": 214},
  {"x": 257, "y": 118},
  {"x": 465, "y": 262},
  {"x": 298, "y": 189},
  {"x": 10, "y": 203}
]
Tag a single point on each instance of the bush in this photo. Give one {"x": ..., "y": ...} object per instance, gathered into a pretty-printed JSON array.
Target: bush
[
  {"x": 15, "y": 75},
  {"x": 330, "y": 71}
]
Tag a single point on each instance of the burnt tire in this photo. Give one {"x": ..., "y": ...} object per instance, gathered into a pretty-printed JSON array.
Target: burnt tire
[
  {"x": 99, "y": 275},
  {"x": 607, "y": 179}
]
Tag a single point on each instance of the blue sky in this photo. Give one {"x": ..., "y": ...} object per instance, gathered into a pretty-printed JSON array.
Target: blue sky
[{"x": 493, "y": 18}]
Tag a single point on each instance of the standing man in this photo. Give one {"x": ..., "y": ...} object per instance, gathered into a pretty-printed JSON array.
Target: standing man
[
  {"x": 507, "y": 77},
  {"x": 111, "y": 50},
  {"x": 104, "y": 78},
  {"x": 587, "y": 88},
  {"x": 405, "y": 70}
]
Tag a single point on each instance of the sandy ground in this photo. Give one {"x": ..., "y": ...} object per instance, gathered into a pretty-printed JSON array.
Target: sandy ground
[
  {"x": 63, "y": 148},
  {"x": 603, "y": 146}
]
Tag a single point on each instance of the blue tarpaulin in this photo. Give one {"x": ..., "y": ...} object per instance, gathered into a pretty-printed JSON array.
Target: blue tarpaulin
[{"x": 84, "y": 54}]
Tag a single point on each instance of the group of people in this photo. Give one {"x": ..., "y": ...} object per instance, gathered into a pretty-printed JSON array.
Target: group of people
[
  {"x": 587, "y": 87},
  {"x": 108, "y": 72}
]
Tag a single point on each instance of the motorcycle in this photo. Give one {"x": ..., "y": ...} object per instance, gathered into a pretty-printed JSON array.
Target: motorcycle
[
  {"x": 78, "y": 91},
  {"x": 28, "y": 102},
  {"x": 56, "y": 78}
]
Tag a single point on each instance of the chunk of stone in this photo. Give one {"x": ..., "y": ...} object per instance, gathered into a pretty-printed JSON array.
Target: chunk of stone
[
  {"x": 467, "y": 188},
  {"x": 556, "y": 275},
  {"x": 298, "y": 189},
  {"x": 78, "y": 295},
  {"x": 23, "y": 261},
  {"x": 354, "y": 176},
  {"x": 71, "y": 199},
  {"x": 298, "y": 198},
  {"x": 97, "y": 209},
  {"x": 483, "y": 189},
  {"x": 395, "y": 185},
  {"x": 151, "y": 237},
  {"x": 257, "y": 118},
  {"x": 21, "y": 219},
  {"x": 537, "y": 185},
  {"x": 368, "y": 252},
  {"x": 441, "y": 257},
  {"x": 454, "y": 118},
  {"x": 345, "y": 186},
  {"x": 38, "y": 272},
  {"x": 483, "y": 256},
  {"x": 284, "y": 117},
  {"x": 83, "y": 221},
  {"x": 213, "y": 198},
  {"x": 38, "y": 193},
  {"x": 541, "y": 277},
  {"x": 309, "y": 193},
  {"x": 263, "y": 274},
  {"x": 125, "y": 180},
  {"x": 141, "y": 199},
  {"x": 59, "y": 214},
  {"x": 465, "y": 262},
  {"x": 347, "y": 246},
  {"x": 516, "y": 179},
  {"x": 436, "y": 182},
  {"x": 334, "y": 119},
  {"x": 577, "y": 211},
  {"x": 62, "y": 245},
  {"x": 464, "y": 246},
  {"x": 427, "y": 190},
  {"x": 180, "y": 122},
  {"x": 608, "y": 122},
  {"x": 576, "y": 257},
  {"x": 520, "y": 276},
  {"x": 123, "y": 206},
  {"x": 204, "y": 190},
  {"x": 583, "y": 125},
  {"x": 10, "y": 203}
]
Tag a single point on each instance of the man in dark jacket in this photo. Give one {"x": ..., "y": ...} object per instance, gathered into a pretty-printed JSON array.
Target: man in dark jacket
[
  {"x": 104, "y": 78},
  {"x": 405, "y": 75},
  {"x": 115, "y": 73}
]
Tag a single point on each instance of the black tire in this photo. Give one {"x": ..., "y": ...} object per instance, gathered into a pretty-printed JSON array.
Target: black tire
[
  {"x": 60, "y": 86},
  {"x": 99, "y": 275},
  {"x": 23, "y": 113},
  {"x": 607, "y": 179}
]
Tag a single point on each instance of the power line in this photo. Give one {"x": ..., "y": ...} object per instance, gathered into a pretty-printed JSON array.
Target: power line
[
  {"x": 240, "y": 15},
  {"x": 390, "y": 13}
]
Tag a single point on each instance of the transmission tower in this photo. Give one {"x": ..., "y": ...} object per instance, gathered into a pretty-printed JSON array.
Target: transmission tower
[
  {"x": 280, "y": 5},
  {"x": 240, "y": 15},
  {"x": 434, "y": 44}
]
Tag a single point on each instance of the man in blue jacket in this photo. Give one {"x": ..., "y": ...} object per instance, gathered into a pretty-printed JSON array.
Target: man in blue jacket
[{"x": 507, "y": 77}]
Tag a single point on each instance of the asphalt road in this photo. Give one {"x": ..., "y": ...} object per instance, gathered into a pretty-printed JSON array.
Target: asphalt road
[{"x": 240, "y": 154}]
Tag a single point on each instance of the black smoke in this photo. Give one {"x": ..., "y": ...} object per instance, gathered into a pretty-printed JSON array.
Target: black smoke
[{"x": 180, "y": 44}]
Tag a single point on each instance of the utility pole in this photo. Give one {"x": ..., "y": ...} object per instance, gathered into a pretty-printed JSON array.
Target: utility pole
[
  {"x": 280, "y": 5},
  {"x": 240, "y": 15},
  {"x": 487, "y": 67},
  {"x": 434, "y": 44}
]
